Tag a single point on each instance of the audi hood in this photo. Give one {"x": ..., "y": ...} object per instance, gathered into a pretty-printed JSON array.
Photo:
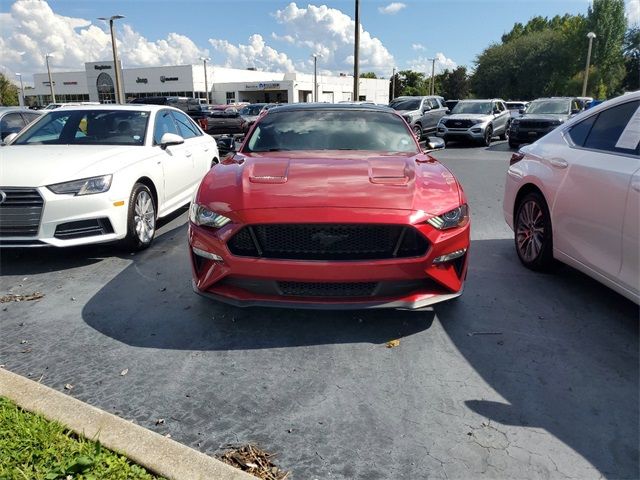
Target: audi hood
[{"x": 39, "y": 165}]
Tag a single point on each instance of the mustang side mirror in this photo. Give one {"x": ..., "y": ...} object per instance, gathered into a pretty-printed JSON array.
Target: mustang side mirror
[
  {"x": 169, "y": 139},
  {"x": 433, "y": 144}
]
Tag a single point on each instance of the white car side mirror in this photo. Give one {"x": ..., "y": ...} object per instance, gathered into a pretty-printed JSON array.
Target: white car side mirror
[
  {"x": 7, "y": 140},
  {"x": 169, "y": 139}
]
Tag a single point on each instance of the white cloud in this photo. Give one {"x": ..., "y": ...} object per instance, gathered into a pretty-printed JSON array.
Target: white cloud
[
  {"x": 392, "y": 8},
  {"x": 330, "y": 32},
  {"x": 418, "y": 46},
  {"x": 255, "y": 54},
  {"x": 423, "y": 64},
  {"x": 32, "y": 27},
  {"x": 633, "y": 12}
]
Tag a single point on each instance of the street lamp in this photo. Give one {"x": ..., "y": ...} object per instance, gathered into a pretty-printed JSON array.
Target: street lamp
[
  {"x": 119, "y": 93},
  {"x": 590, "y": 36},
  {"x": 53, "y": 95},
  {"x": 356, "y": 53},
  {"x": 315, "y": 75},
  {"x": 19, "y": 75},
  {"x": 206, "y": 83}
]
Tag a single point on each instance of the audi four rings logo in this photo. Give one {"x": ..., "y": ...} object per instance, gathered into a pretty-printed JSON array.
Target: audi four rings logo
[{"x": 3, "y": 197}]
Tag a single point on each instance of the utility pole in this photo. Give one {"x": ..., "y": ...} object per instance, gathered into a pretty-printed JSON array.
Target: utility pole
[
  {"x": 393, "y": 84},
  {"x": 53, "y": 95},
  {"x": 356, "y": 49},
  {"x": 590, "y": 36},
  {"x": 432, "y": 87},
  {"x": 19, "y": 75},
  {"x": 116, "y": 64},
  {"x": 206, "y": 83}
]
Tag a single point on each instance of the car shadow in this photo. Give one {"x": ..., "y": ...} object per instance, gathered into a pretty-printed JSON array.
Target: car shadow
[
  {"x": 560, "y": 349},
  {"x": 151, "y": 304},
  {"x": 31, "y": 261}
]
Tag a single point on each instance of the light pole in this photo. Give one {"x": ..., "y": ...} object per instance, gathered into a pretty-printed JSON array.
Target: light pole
[
  {"x": 19, "y": 75},
  {"x": 432, "y": 83},
  {"x": 393, "y": 83},
  {"x": 315, "y": 76},
  {"x": 356, "y": 51},
  {"x": 206, "y": 83},
  {"x": 53, "y": 95},
  {"x": 590, "y": 36},
  {"x": 116, "y": 64}
]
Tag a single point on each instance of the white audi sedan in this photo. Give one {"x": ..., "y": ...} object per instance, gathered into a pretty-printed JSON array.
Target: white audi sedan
[
  {"x": 574, "y": 196},
  {"x": 91, "y": 174}
]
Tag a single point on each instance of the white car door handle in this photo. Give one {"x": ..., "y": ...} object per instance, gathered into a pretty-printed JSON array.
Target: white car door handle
[
  {"x": 188, "y": 154},
  {"x": 558, "y": 162}
]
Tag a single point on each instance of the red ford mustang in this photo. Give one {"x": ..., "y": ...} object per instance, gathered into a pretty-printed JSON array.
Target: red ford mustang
[{"x": 329, "y": 206}]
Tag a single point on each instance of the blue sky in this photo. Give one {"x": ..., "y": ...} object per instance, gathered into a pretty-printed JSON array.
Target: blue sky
[{"x": 268, "y": 34}]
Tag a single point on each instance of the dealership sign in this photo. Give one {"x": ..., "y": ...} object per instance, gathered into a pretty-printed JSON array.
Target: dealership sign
[
  {"x": 102, "y": 67},
  {"x": 142, "y": 80},
  {"x": 168, "y": 79},
  {"x": 263, "y": 86}
]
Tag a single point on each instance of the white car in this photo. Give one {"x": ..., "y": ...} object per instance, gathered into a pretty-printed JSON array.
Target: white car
[
  {"x": 90, "y": 174},
  {"x": 574, "y": 196}
]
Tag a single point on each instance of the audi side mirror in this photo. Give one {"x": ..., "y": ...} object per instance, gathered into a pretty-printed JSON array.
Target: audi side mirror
[
  {"x": 7, "y": 140},
  {"x": 169, "y": 139}
]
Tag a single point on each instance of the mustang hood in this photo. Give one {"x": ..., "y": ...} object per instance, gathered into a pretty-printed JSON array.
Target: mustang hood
[
  {"x": 39, "y": 165},
  {"x": 330, "y": 179}
]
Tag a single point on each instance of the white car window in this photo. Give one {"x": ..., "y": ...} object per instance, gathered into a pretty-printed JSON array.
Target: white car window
[
  {"x": 164, "y": 124},
  {"x": 186, "y": 126},
  {"x": 602, "y": 131}
]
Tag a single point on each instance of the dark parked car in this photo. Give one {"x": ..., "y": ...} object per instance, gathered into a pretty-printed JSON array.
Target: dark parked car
[
  {"x": 225, "y": 121},
  {"x": 14, "y": 119},
  {"x": 514, "y": 107},
  {"x": 250, "y": 113},
  {"x": 540, "y": 117}
]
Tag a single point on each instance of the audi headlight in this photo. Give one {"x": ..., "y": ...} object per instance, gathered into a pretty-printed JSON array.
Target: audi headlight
[
  {"x": 85, "y": 186},
  {"x": 458, "y": 217},
  {"x": 199, "y": 215}
]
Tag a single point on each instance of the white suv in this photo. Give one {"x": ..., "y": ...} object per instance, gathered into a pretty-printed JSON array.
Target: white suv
[{"x": 476, "y": 121}]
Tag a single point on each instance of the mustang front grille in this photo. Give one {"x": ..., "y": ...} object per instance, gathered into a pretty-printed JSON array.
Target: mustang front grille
[
  {"x": 20, "y": 212},
  {"x": 342, "y": 242},
  {"x": 319, "y": 289}
]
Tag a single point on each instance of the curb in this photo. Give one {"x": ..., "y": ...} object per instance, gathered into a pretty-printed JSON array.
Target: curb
[{"x": 151, "y": 450}]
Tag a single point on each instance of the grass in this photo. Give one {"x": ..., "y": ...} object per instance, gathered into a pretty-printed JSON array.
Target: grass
[{"x": 33, "y": 448}]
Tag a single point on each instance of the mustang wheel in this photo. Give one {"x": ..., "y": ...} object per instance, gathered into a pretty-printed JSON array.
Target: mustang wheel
[
  {"x": 141, "y": 221},
  {"x": 533, "y": 236}
]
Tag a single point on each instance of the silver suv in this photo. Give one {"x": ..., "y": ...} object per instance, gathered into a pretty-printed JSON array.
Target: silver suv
[
  {"x": 421, "y": 113},
  {"x": 476, "y": 120}
]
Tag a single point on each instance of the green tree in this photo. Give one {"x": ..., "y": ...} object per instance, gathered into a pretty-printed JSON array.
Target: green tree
[
  {"x": 607, "y": 20},
  {"x": 8, "y": 92},
  {"x": 631, "y": 51},
  {"x": 453, "y": 85},
  {"x": 368, "y": 75},
  {"x": 409, "y": 82}
]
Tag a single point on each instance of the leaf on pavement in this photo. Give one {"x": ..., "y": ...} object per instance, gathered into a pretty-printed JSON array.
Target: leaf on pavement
[{"x": 393, "y": 343}]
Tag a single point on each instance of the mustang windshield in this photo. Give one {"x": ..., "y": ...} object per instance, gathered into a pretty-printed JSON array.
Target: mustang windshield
[
  {"x": 87, "y": 127},
  {"x": 483, "y": 108},
  {"x": 558, "y": 107},
  {"x": 331, "y": 130}
]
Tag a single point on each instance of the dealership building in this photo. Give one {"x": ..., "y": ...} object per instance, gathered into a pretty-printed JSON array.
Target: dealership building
[{"x": 96, "y": 83}]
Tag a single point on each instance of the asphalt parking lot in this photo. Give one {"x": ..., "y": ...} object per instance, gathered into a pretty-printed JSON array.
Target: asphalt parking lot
[{"x": 525, "y": 376}]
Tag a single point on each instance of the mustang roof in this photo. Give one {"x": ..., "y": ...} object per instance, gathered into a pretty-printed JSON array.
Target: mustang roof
[{"x": 293, "y": 107}]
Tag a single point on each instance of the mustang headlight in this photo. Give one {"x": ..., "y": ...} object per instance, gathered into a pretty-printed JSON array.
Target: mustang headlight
[
  {"x": 458, "y": 217},
  {"x": 204, "y": 217},
  {"x": 85, "y": 186}
]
